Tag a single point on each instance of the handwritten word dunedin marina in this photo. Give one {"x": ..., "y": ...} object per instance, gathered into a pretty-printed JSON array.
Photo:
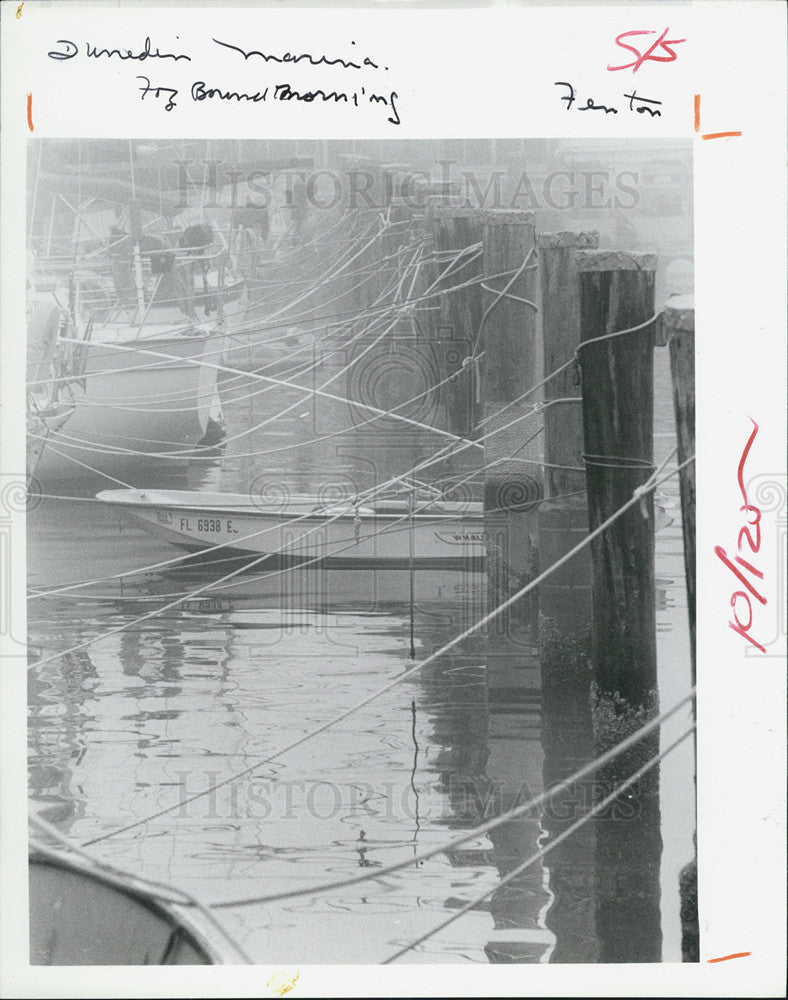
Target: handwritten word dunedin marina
[{"x": 166, "y": 96}]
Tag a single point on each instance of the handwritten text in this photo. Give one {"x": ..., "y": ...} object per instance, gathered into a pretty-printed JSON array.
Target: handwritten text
[
  {"x": 751, "y": 535},
  {"x": 638, "y": 104},
  {"x": 650, "y": 55}
]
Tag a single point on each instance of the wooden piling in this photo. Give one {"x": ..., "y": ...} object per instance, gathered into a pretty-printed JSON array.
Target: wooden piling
[
  {"x": 512, "y": 455},
  {"x": 560, "y": 312},
  {"x": 565, "y": 597},
  {"x": 359, "y": 285},
  {"x": 617, "y": 294},
  {"x": 679, "y": 326},
  {"x": 396, "y": 179},
  {"x": 453, "y": 228}
]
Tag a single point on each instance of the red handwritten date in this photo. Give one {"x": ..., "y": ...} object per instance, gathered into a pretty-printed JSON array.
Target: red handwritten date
[
  {"x": 750, "y": 534},
  {"x": 654, "y": 53}
]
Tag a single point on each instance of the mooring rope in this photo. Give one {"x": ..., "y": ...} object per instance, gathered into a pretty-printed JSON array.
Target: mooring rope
[
  {"x": 618, "y": 462},
  {"x": 270, "y": 380},
  {"x": 439, "y": 457},
  {"x": 618, "y": 333},
  {"x": 490, "y": 616},
  {"x": 502, "y": 294},
  {"x": 563, "y": 367},
  {"x": 202, "y": 563}
]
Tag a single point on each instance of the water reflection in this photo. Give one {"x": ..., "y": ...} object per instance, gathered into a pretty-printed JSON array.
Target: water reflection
[{"x": 170, "y": 706}]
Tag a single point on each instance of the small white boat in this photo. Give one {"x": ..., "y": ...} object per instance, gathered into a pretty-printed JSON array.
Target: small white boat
[
  {"x": 430, "y": 533},
  {"x": 424, "y": 532}
]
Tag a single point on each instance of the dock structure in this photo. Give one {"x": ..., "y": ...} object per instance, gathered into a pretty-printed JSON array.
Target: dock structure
[{"x": 617, "y": 369}]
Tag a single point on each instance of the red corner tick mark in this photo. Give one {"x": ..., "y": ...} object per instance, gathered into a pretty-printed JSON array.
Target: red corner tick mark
[
  {"x": 30, "y": 112},
  {"x": 724, "y": 958},
  {"x": 709, "y": 135}
]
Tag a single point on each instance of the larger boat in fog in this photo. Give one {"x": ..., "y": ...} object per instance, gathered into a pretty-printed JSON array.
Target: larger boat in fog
[{"x": 120, "y": 338}]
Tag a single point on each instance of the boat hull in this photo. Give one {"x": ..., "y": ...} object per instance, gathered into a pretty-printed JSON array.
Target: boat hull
[
  {"x": 303, "y": 534},
  {"x": 131, "y": 409}
]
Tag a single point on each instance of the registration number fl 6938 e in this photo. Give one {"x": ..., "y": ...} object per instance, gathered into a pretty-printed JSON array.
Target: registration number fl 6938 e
[{"x": 208, "y": 524}]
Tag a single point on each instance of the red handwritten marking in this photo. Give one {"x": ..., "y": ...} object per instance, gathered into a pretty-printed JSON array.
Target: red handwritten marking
[
  {"x": 724, "y": 958},
  {"x": 648, "y": 55},
  {"x": 709, "y": 135},
  {"x": 742, "y": 628},
  {"x": 719, "y": 135},
  {"x": 30, "y": 112}
]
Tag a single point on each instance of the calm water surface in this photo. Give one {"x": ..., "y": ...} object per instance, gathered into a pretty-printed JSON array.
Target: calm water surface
[{"x": 145, "y": 717}]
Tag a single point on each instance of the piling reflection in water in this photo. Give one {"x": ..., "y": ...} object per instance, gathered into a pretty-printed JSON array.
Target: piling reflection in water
[{"x": 177, "y": 703}]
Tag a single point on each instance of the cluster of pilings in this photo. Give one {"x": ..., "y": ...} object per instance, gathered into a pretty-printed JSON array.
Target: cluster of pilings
[{"x": 552, "y": 341}]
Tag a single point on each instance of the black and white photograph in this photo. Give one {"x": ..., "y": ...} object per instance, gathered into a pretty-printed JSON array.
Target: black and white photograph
[{"x": 360, "y": 551}]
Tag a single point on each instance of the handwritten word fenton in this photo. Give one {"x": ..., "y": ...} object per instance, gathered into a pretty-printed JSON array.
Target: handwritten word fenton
[
  {"x": 752, "y": 521},
  {"x": 662, "y": 43},
  {"x": 70, "y": 49},
  {"x": 638, "y": 104},
  {"x": 308, "y": 57},
  {"x": 285, "y": 92}
]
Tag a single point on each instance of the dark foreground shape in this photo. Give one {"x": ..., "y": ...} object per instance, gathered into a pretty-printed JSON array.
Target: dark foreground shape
[{"x": 80, "y": 915}]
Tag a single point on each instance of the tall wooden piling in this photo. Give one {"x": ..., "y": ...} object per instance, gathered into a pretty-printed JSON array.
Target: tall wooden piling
[
  {"x": 512, "y": 450},
  {"x": 679, "y": 326},
  {"x": 565, "y": 597},
  {"x": 454, "y": 228},
  {"x": 616, "y": 295},
  {"x": 359, "y": 284},
  {"x": 560, "y": 311},
  {"x": 617, "y": 370},
  {"x": 419, "y": 195}
]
